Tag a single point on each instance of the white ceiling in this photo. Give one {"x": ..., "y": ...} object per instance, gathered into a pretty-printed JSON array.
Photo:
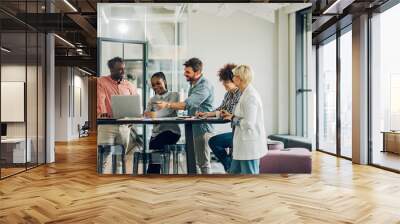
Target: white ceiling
[
  {"x": 173, "y": 11},
  {"x": 262, "y": 10},
  {"x": 156, "y": 22}
]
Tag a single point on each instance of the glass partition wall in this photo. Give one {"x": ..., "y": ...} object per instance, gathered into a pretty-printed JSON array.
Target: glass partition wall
[
  {"x": 327, "y": 96},
  {"x": 123, "y": 27},
  {"x": 22, "y": 87},
  {"x": 334, "y": 110},
  {"x": 150, "y": 38},
  {"x": 162, "y": 36},
  {"x": 385, "y": 89},
  {"x": 346, "y": 93}
]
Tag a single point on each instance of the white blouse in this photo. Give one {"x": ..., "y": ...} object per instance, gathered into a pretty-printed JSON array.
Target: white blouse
[{"x": 249, "y": 140}]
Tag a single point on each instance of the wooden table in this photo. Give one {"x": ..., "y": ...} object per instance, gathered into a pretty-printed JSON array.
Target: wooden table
[
  {"x": 391, "y": 141},
  {"x": 188, "y": 122}
]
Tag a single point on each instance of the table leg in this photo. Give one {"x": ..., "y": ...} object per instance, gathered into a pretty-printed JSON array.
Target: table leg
[
  {"x": 144, "y": 160},
  {"x": 190, "y": 155},
  {"x": 384, "y": 143}
]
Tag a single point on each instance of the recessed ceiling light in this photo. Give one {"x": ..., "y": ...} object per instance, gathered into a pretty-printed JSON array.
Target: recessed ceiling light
[{"x": 123, "y": 28}]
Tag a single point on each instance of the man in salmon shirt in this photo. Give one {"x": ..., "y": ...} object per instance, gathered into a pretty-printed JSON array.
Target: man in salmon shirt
[{"x": 107, "y": 86}]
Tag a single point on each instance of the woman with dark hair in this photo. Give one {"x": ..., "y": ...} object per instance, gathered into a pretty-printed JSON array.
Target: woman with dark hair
[
  {"x": 219, "y": 143},
  {"x": 162, "y": 134}
]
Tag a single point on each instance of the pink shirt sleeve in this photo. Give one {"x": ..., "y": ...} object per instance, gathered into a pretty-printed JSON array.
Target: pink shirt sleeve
[{"x": 101, "y": 107}]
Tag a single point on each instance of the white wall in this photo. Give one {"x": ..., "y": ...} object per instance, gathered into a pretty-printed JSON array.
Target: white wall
[
  {"x": 220, "y": 40},
  {"x": 33, "y": 126},
  {"x": 61, "y": 103},
  {"x": 263, "y": 45},
  {"x": 285, "y": 42},
  {"x": 80, "y": 83},
  {"x": 67, "y": 115}
]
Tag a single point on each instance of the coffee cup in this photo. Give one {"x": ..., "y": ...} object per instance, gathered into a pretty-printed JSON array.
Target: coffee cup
[{"x": 152, "y": 114}]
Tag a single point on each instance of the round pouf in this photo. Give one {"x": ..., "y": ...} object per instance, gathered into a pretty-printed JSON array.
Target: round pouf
[{"x": 292, "y": 160}]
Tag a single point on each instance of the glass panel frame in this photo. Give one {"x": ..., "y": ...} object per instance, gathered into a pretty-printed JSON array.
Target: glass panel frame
[
  {"x": 341, "y": 100},
  {"x": 327, "y": 74},
  {"x": 24, "y": 61},
  {"x": 384, "y": 71},
  {"x": 345, "y": 54},
  {"x": 135, "y": 70}
]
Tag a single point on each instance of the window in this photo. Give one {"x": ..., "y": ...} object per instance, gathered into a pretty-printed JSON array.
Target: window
[
  {"x": 385, "y": 87},
  {"x": 346, "y": 93},
  {"x": 22, "y": 72},
  {"x": 327, "y": 96}
]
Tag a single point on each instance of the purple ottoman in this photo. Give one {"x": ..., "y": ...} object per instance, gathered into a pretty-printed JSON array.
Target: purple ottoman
[
  {"x": 295, "y": 160},
  {"x": 274, "y": 145}
]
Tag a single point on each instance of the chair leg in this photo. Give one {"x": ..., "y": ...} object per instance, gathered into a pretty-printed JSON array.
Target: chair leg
[
  {"x": 167, "y": 162},
  {"x": 114, "y": 164},
  {"x": 175, "y": 162},
  {"x": 178, "y": 155},
  {"x": 162, "y": 162},
  {"x": 180, "y": 164},
  {"x": 100, "y": 161},
  {"x": 144, "y": 160},
  {"x": 123, "y": 163}
]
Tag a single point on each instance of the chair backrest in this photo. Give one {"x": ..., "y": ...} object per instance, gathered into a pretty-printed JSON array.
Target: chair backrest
[
  {"x": 175, "y": 147},
  {"x": 86, "y": 125},
  {"x": 115, "y": 149}
]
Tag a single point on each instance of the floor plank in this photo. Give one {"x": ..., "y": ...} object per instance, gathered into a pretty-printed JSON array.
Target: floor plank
[{"x": 70, "y": 191}]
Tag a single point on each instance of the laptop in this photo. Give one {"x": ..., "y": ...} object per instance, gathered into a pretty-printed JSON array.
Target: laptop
[{"x": 126, "y": 106}]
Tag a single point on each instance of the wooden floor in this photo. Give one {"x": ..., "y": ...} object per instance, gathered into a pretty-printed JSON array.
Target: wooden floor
[
  {"x": 386, "y": 159},
  {"x": 70, "y": 191},
  {"x": 10, "y": 171}
]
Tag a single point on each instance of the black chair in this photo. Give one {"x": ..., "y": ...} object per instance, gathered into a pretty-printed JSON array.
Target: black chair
[
  {"x": 84, "y": 129},
  {"x": 177, "y": 150},
  {"x": 115, "y": 151},
  {"x": 146, "y": 157}
]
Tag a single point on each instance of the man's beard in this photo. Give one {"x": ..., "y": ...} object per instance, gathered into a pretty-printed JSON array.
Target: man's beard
[
  {"x": 119, "y": 78},
  {"x": 190, "y": 79}
]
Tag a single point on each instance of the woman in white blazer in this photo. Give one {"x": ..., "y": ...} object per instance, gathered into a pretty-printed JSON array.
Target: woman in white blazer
[{"x": 249, "y": 139}]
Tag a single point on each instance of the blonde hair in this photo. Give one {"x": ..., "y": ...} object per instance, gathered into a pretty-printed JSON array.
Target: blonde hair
[{"x": 244, "y": 72}]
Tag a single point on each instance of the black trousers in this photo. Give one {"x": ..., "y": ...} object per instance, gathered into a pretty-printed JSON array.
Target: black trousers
[{"x": 162, "y": 139}]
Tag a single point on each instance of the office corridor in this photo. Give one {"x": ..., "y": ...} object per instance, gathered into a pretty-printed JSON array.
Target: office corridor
[{"x": 70, "y": 191}]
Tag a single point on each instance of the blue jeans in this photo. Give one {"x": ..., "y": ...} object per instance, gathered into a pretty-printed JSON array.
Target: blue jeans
[
  {"x": 245, "y": 166},
  {"x": 218, "y": 144}
]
